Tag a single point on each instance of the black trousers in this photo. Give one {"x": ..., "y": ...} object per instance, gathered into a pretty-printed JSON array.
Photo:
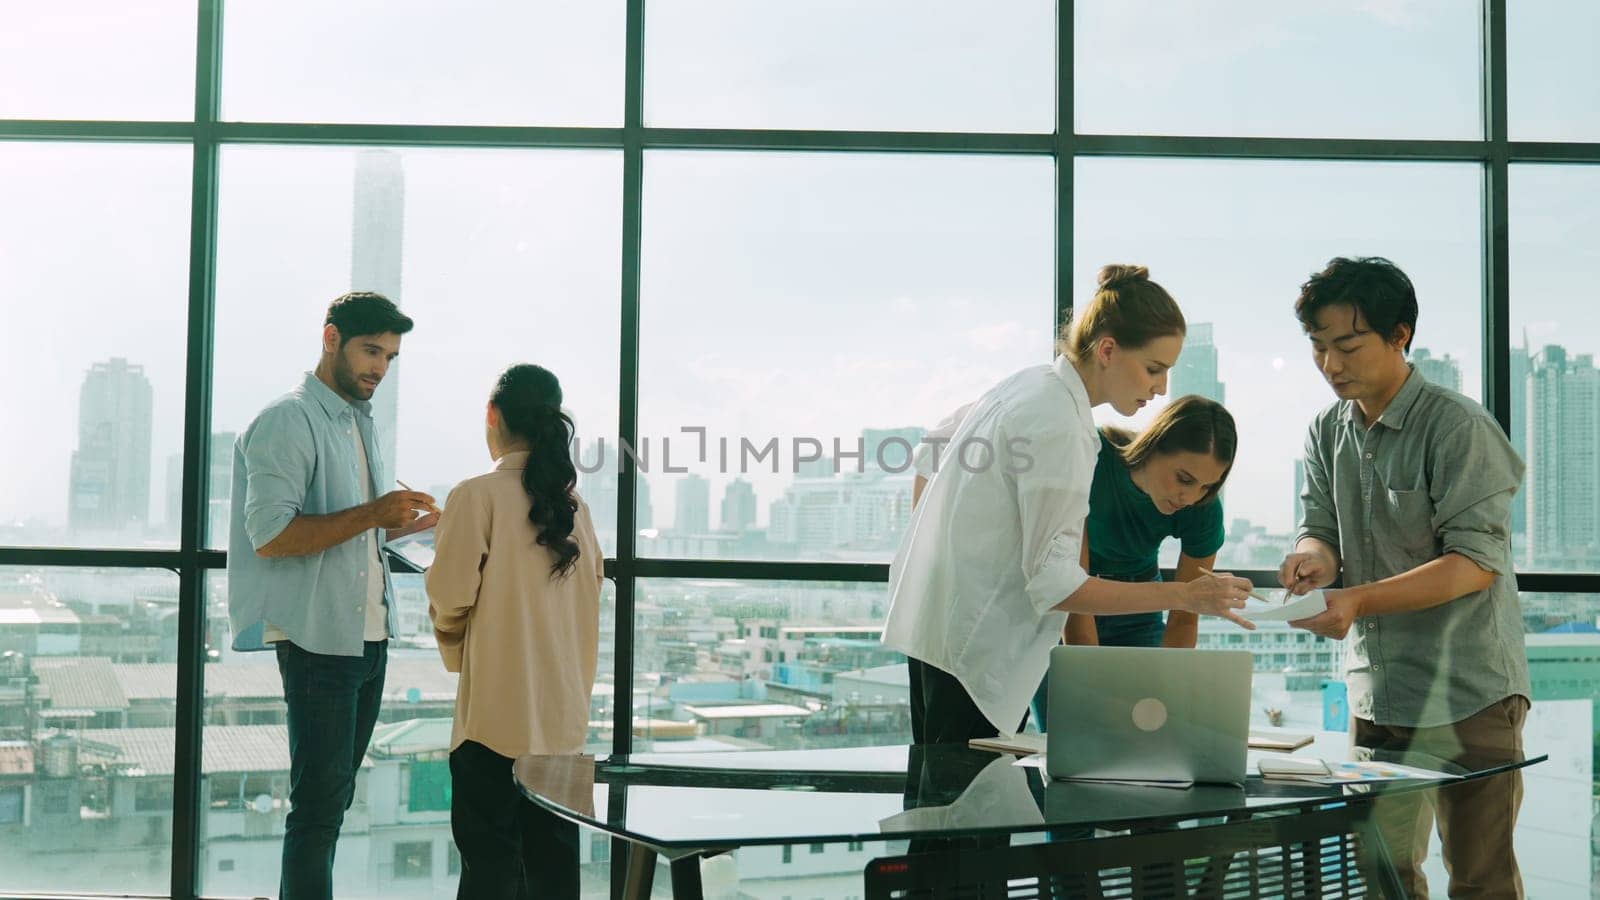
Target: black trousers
[
  {"x": 511, "y": 849},
  {"x": 941, "y": 709}
]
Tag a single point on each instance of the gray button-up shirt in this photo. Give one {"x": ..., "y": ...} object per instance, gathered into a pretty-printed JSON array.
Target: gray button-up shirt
[
  {"x": 1434, "y": 475},
  {"x": 299, "y": 458}
]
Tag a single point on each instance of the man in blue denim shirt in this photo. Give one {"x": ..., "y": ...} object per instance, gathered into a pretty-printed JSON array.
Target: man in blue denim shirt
[{"x": 306, "y": 574}]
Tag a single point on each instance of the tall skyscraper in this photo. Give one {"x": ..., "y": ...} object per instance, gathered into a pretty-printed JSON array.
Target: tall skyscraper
[
  {"x": 219, "y": 488},
  {"x": 1196, "y": 371},
  {"x": 376, "y": 243},
  {"x": 109, "y": 487},
  {"x": 1519, "y": 428},
  {"x": 738, "y": 506},
  {"x": 599, "y": 489},
  {"x": 1444, "y": 371},
  {"x": 1562, "y": 487},
  {"x": 693, "y": 512}
]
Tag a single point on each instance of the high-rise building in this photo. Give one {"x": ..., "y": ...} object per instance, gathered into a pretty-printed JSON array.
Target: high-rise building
[
  {"x": 109, "y": 487},
  {"x": 692, "y": 514},
  {"x": 219, "y": 489},
  {"x": 1561, "y": 490},
  {"x": 1444, "y": 371},
  {"x": 376, "y": 241},
  {"x": 599, "y": 488},
  {"x": 1519, "y": 428},
  {"x": 889, "y": 450},
  {"x": 174, "y": 492},
  {"x": 738, "y": 506},
  {"x": 1196, "y": 371}
]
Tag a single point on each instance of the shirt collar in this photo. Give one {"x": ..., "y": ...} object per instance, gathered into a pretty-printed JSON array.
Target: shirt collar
[
  {"x": 517, "y": 459},
  {"x": 1393, "y": 415},
  {"x": 331, "y": 403},
  {"x": 1074, "y": 382}
]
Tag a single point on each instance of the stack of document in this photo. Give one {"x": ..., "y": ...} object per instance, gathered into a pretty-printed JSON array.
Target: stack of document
[{"x": 1320, "y": 771}]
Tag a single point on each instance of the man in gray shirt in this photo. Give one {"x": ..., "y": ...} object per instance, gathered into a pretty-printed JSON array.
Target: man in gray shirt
[{"x": 1408, "y": 494}]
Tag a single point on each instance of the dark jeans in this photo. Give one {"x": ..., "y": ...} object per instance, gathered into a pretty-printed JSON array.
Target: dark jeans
[
  {"x": 508, "y": 844},
  {"x": 941, "y": 709},
  {"x": 333, "y": 706}
]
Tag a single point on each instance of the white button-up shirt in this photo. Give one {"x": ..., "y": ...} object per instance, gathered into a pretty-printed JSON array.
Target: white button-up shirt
[{"x": 993, "y": 545}]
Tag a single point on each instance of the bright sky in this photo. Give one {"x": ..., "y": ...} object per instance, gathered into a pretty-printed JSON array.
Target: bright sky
[{"x": 783, "y": 294}]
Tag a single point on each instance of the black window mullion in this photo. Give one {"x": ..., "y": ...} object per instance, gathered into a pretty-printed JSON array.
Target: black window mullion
[{"x": 186, "y": 821}]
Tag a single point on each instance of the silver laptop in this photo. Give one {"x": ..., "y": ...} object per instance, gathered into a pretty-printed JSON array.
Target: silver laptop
[{"x": 1148, "y": 714}]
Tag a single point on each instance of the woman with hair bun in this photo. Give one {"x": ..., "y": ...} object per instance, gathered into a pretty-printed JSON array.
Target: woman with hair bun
[
  {"x": 990, "y": 563},
  {"x": 514, "y": 595}
]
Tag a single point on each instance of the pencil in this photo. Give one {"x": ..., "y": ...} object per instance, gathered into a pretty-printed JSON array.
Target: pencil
[{"x": 1205, "y": 571}]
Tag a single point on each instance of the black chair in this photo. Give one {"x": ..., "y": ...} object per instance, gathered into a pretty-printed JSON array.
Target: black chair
[{"x": 1331, "y": 853}]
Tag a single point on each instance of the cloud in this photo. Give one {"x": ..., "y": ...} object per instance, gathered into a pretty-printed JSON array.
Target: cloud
[{"x": 997, "y": 337}]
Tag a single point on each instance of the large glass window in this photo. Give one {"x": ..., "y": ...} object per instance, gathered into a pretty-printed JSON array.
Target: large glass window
[
  {"x": 99, "y": 59},
  {"x": 764, "y": 665},
  {"x": 1556, "y": 827},
  {"x": 1260, "y": 68},
  {"x": 478, "y": 62},
  {"x": 93, "y": 292},
  {"x": 1552, "y": 71},
  {"x": 500, "y": 257},
  {"x": 803, "y": 317},
  {"x": 399, "y": 824},
  {"x": 887, "y": 65},
  {"x": 1555, "y": 387},
  {"x": 87, "y": 704},
  {"x": 1233, "y": 241},
  {"x": 813, "y": 314}
]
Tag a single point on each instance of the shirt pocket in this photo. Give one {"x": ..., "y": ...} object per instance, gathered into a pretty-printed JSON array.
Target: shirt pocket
[{"x": 1403, "y": 520}]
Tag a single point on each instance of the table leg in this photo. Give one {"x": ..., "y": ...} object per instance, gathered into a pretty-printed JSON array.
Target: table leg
[
  {"x": 686, "y": 878},
  {"x": 641, "y": 872}
]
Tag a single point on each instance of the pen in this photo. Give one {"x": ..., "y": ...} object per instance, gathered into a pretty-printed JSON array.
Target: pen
[
  {"x": 404, "y": 485},
  {"x": 1205, "y": 571}
]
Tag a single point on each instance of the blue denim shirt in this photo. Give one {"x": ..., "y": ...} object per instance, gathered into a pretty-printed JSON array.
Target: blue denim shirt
[{"x": 298, "y": 457}]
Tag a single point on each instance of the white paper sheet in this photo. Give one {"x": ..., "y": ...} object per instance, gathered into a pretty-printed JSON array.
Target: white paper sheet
[{"x": 1281, "y": 606}]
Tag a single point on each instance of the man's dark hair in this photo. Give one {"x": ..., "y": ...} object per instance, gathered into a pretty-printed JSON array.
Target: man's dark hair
[
  {"x": 365, "y": 312},
  {"x": 1374, "y": 286}
]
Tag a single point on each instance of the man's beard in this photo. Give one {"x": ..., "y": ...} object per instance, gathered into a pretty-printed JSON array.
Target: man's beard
[{"x": 345, "y": 377}]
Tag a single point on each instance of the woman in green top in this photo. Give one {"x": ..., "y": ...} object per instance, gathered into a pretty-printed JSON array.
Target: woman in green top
[{"x": 1148, "y": 487}]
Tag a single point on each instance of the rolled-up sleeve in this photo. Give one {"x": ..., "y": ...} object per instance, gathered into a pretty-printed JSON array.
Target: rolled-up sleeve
[
  {"x": 279, "y": 457},
  {"x": 1473, "y": 478},
  {"x": 1053, "y": 499},
  {"x": 1317, "y": 509},
  {"x": 461, "y": 544}
]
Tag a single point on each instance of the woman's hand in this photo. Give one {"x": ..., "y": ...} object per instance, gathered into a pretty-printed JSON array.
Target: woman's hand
[{"x": 1218, "y": 595}]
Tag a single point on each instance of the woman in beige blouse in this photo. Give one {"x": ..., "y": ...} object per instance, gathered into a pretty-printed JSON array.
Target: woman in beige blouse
[{"x": 514, "y": 594}]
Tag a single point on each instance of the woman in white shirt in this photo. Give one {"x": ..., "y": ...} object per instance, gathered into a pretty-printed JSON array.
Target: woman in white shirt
[
  {"x": 989, "y": 566},
  {"x": 514, "y": 594}
]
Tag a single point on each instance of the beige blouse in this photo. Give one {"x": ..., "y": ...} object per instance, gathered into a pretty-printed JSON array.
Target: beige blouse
[{"x": 525, "y": 642}]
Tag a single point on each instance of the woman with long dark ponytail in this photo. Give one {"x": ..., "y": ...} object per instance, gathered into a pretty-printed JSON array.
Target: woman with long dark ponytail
[{"x": 514, "y": 594}]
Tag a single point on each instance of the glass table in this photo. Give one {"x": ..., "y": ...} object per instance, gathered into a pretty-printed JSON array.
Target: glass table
[{"x": 682, "y": 806}]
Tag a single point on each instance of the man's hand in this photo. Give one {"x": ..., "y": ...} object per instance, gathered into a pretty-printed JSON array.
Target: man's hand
[
  {"x": 1218, "y": 595},
  {"x": 1334, "y": 622},
  {"x": 1302, "y": 573},
  {"x": 420, "y": 523},
  {"x": 397, "y": 511}
]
